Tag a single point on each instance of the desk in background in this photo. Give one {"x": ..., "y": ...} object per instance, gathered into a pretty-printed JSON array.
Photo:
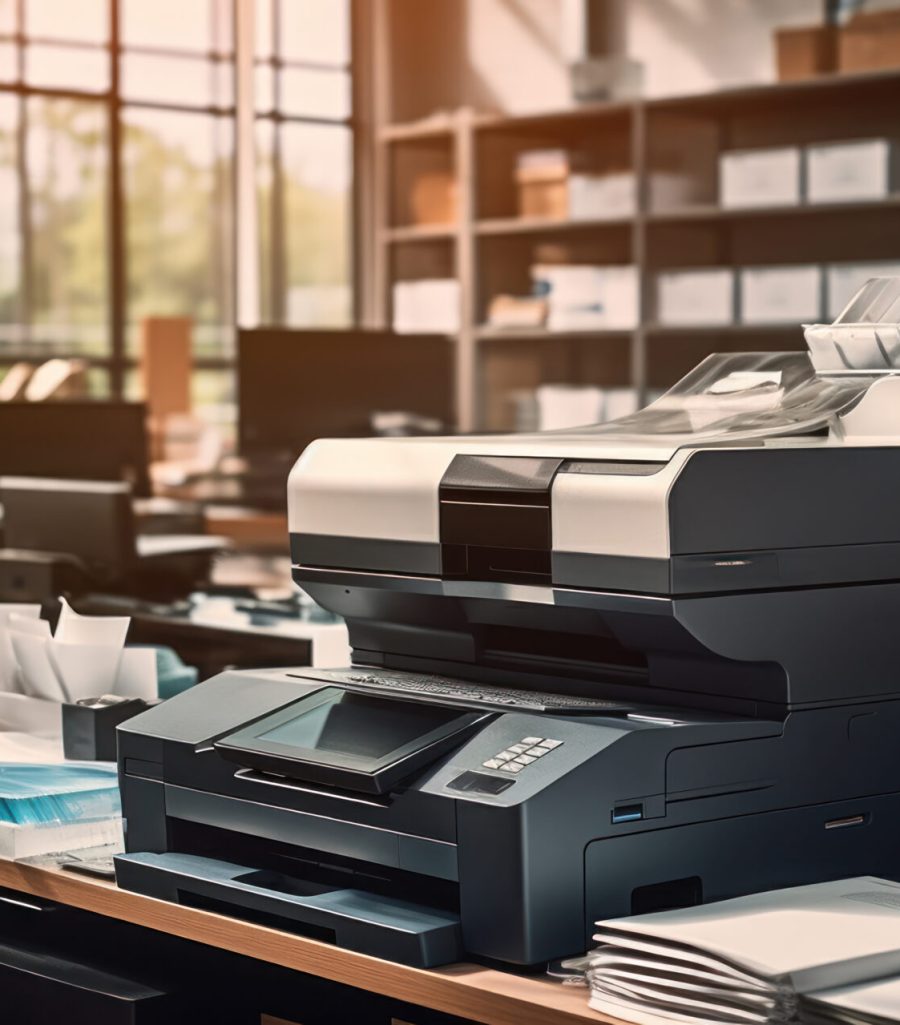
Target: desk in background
[{"x": 215, "y": 634}]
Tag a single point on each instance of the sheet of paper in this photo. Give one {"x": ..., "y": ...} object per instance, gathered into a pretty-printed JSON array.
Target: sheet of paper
[
  {"x": 85, "y": 670},
  {"x": 137, "y": 674},
  {"x": 37, "y": 675},
  {"x": 8, "y": 665},
  {"x": 29, "y": 625},
  {"x": 816, "y": 936},
  {"x": 25, "y": 748},
  {"x": 74, "y": 628},
  {"x": 877, "y": 999}
]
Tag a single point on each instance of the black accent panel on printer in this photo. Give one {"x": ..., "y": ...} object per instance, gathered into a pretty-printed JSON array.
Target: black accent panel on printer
[{"x": 495, "y": 518}]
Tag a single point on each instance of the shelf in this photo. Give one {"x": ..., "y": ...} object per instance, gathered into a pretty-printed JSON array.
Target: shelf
[
  {"x": 487, "y": 332},
  {"x": 705, "y": 330},
  {"x": 420, "y": 233},
  {"x": 414, "y": 131},
  {"x": 537, "y": 225},
  {"x": 766, "y": 92},
  {"x": 821, "y": 85},
  {"x": 714, "y": 212},
  {"x": 540, "y": 119},
  {"x": 479, "y": 150}
]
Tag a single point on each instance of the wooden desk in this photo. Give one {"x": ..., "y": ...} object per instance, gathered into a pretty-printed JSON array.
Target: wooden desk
[
  {"x": 469, "y": 991},
  {"x": 248, "y": 528}
]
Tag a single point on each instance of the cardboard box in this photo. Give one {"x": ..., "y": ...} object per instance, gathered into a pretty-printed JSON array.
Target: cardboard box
[
  {"x": 870, "y": 42},
  {"x": 844, "y": 280},
  {"x": 433, "y": 198},
  {"x": 780, "y": 295},
  {"x": 848, "y": 171},
  {"x": 542, "y": 180},
  {"x": 760, "y": 177},
  {"x": 805, "y": 52},
  {"x": 695, "y": 297}
]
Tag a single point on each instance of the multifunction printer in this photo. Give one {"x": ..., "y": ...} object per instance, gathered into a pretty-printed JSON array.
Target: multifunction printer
[{"x": 596, "y": 672}]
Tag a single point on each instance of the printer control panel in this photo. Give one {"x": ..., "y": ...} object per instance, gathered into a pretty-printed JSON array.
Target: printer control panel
[{"x": 517, "y": 757}]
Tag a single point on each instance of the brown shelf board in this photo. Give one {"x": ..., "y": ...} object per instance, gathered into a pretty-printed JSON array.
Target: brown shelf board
[
  {"x": 537, "y": 225},
  {"x": 714, "y": 212},
  {"x": 781, "y": 327},
  {"x": 541, "y": 119},
  {"x": 439, "y": 127},
  {"x": 809, "y": 88},
  {"x": 487, "y": 332},
  {"x": 821, "y": 85},
  {"x": 419, "y": 233}
]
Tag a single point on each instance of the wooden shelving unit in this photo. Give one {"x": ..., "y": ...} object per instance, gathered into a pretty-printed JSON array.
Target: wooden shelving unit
[{"x": 489, "y": 248}]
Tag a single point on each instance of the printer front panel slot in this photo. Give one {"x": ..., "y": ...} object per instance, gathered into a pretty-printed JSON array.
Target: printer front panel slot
[
  {"x": 328, "y": 836},
  {"x": 304, "y": 869}
]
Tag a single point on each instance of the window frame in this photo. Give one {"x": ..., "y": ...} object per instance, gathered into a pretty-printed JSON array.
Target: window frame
[{"x": 118, "y": 362}]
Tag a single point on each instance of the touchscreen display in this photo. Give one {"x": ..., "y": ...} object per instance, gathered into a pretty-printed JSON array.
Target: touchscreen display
[{"x": 355, "y": 724}]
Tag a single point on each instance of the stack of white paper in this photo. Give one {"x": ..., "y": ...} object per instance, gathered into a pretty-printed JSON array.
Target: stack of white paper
[
  {"x": 746, "y": 960},
  {"x": 86, "y": 658},
  {"x": 867, "y": 1003}
]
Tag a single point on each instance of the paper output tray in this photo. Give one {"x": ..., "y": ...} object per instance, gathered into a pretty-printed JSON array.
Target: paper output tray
[{"x": 352, "y": 919}]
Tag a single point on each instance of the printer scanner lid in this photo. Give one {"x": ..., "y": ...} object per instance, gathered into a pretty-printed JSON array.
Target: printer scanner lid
[{"x": 842, "y": 391}]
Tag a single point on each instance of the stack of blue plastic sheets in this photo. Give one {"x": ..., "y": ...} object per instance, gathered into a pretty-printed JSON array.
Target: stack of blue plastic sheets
[{"x": 43, "y": 794}]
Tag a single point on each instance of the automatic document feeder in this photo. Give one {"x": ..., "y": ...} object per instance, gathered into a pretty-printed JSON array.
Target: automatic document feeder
[{"x": 596, "y": 672}]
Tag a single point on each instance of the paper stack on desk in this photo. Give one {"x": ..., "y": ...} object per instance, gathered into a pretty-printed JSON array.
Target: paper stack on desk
[
  {"x": 867, "y": 1003},
  {"x": 46, "y": 809},
  {"x": 749, "y": 959},
  {"x": 86, "y": 657}
]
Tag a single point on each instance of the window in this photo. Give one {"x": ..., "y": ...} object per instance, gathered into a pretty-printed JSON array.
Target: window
[
  {"x": 117, "y": 176},
  {"x": 304, "y": 144}
]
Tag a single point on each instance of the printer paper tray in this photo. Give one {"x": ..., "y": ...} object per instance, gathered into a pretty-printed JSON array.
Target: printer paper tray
[{"x": 352, "y": 919}]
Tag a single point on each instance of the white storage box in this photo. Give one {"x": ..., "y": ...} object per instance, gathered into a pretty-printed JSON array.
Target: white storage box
[
  {"x": 844, "y": 280},
  {"x": 602, "y": 196},
  {"x": 760, "y": 177},
  {"x": 583, "y": 298},
  {"x": 695, "y": 297},
  {"x": 430, "y": 305},
  {"x": 773, "y": 295},
  {"x": 848, "y": 171}
]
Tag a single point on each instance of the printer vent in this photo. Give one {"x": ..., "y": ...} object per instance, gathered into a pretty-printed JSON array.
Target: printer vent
[{"x": 495, "y": 518}]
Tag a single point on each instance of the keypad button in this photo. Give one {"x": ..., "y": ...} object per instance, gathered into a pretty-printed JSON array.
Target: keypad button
[
  {"x": 525, "y": 759},
  {"x": 492, "y": 763},
  {"x": 505, "y": 756},
  {"x": 537, "y": 752},
  {"x": 531, "y": 741},
  {"x": 551, "y": 744},
  {"x": 518, "y": 748},
  {"x": 512, "y": 767}
]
